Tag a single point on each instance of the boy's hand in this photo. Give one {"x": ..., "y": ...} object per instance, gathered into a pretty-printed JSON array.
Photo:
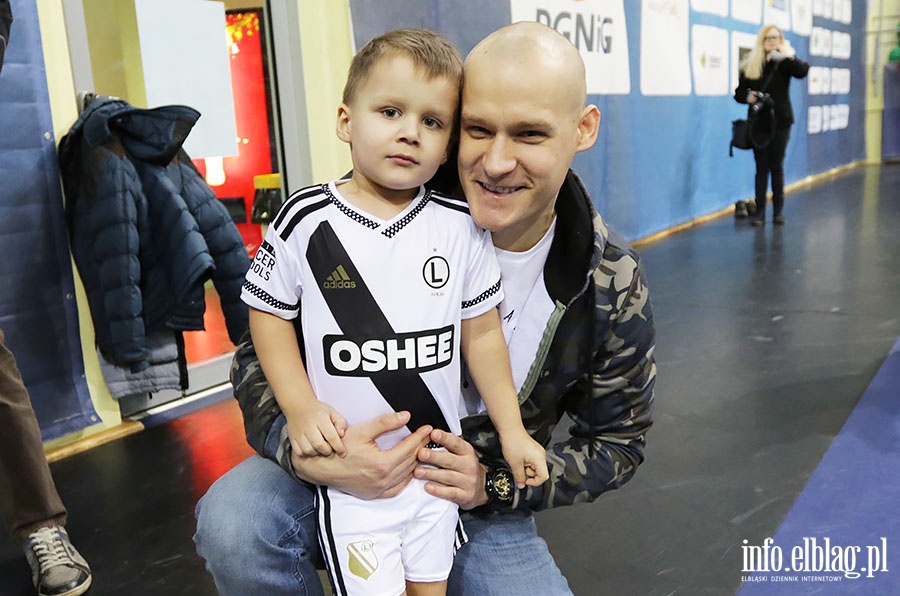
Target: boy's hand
[
  {"x": 526, "y": 458},
  {"x": 315, "y": 428}
]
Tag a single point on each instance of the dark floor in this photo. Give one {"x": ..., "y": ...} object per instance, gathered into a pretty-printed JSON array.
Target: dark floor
[{"x": 767, "y": 339}]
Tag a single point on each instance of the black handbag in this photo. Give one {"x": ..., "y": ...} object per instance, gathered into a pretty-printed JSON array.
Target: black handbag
[{"x": 740, "y": 136}]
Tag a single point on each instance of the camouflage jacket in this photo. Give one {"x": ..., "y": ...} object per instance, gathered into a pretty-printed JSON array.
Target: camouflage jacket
[{"x": 595, "y": 363}]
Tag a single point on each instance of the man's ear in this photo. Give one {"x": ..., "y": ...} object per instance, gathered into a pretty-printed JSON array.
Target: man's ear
[
  {"x": 343, "y": 123},
  {"x": 588, "y": 127}
]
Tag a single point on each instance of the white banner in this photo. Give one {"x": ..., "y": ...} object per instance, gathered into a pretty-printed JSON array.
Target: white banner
[
  {"x": 665, "y": 62},
  {"x": 598, "y": 30},
  {"x": 843, "y": 11},
  {"x": 719, "y": 7},
  {"x": 709, "y": 60},
  {"x": 802, "y": 16},
  {"x": 841, "y": 45},
  {"x": 814, "y": 120},
  {"x": 820, "y": 42},
  {"x": 819, "y": 80},
  {"x": 749, "y": 11},
  {"x": 840, "y": 81},
  {"x": 824, "y": 8},
  {"x": 776, "y": 13}
]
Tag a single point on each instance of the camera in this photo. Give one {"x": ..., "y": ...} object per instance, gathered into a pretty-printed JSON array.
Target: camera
[{"x": 763, "y": 101}]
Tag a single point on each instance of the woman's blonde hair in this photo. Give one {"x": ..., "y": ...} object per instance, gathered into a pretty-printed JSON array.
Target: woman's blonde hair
[{"x": 753, "y": 64}]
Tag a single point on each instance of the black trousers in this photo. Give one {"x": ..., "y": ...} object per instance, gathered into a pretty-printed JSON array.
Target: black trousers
[
  {"x": 28, "y": 497},
  {"x": 770, "y": 162}
]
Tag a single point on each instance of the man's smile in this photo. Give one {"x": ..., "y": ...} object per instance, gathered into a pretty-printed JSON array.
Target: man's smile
[{"x": 500, "y": 190}]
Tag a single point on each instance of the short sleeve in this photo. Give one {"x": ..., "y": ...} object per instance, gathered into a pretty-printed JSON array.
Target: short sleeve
[
  {"x": 272, "y": 283},
  {"x": 482, "y": 290}
]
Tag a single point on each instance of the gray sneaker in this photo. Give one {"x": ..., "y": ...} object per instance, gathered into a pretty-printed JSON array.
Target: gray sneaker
[{"x": 57, "y": 569}]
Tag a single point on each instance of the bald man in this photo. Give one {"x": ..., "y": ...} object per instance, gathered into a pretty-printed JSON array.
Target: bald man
[{"x": 580, "y": 330}]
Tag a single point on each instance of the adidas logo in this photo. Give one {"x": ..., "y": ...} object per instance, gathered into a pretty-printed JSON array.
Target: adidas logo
[{"x": 338, "y": 280}]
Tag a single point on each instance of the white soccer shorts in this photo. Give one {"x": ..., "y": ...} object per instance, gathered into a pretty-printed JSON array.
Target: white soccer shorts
[{"x": 372, "y": 547}]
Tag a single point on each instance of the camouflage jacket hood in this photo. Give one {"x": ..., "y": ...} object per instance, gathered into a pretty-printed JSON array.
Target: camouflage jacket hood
[{"x": 595, "y": 363}]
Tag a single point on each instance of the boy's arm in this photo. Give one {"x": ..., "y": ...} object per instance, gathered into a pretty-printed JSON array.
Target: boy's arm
[
  {"x": 279, "y": 354},
  {"x": 484, "y": 349},
  {"x": 312, "y": 424}
]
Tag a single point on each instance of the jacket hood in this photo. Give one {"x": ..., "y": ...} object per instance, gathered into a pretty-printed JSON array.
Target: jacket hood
[{"x": 151, "y": 135}]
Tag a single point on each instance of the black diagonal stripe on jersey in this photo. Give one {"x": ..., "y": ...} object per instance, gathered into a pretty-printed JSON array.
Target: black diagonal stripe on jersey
[{"x": 355, "y": 308}]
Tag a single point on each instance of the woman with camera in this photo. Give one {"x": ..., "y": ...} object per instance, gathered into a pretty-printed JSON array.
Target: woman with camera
[{"x": 765, "y": 77}]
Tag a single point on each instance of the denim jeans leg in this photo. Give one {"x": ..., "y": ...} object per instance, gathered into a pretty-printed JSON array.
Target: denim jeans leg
[
  {"x": 256, "y": 529},
  {"x": 505, "y": 557}
]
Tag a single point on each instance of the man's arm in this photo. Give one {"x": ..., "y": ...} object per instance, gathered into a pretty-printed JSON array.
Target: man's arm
[
  {"x": 611, "y": 410},
  {"x": 366, "y": 472}
]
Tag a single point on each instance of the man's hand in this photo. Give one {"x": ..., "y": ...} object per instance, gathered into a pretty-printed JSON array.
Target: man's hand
[
  {"x": 366, "y": 471},
  {"x": 456, "y": 474}
]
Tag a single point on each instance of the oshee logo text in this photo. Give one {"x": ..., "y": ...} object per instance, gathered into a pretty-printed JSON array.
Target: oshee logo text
[{"x": 348, "y": 356}]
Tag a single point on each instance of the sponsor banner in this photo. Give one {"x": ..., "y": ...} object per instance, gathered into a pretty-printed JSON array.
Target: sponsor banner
[
  {"x": 823, "y": 80},
  {"x": 749, "y": 11},
  {"x": 829, "y": 117},
  {"x": 598, "y": 30},
  {"x": 841, "y": 45},
  {"x": 776, "y": 13},
  {"x": 665, "y": 63},
  {"x": 718, "y": 7},
  {"x": 709, "y": 59},
  {"x": 818, "y": 80},
  {"x": 823, "y": 8},
  {"x": 843, "y": 11},
  {"x": 802, "y": 16},
  {"x": 840, "y": 81},
  {"x": 820, "y": 42}
]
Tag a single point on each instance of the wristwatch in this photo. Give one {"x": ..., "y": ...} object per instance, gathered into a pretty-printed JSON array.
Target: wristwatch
[{"x": 500, "y": 486}]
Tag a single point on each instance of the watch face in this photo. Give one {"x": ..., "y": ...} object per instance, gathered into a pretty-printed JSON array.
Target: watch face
[{"x": 503, "y": 484}]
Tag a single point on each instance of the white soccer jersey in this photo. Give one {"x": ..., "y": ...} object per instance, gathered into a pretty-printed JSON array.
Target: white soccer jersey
[{"x": 380, "y": 301}]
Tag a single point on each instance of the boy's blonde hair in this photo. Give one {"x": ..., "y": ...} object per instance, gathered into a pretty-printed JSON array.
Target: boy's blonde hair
[{"x": 428, "y": 51}]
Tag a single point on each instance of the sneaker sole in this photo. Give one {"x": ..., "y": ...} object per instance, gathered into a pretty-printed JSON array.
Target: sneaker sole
[{"x": 74, "y": 591}]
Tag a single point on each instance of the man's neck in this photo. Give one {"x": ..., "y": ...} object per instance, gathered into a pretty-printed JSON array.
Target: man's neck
[{"x": 516, "y": 239}]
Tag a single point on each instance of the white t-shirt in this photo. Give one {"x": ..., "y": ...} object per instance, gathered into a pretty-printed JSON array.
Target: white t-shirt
[
  {"x": 381, "y": 301},
  {"x": 524, "y": 291}
]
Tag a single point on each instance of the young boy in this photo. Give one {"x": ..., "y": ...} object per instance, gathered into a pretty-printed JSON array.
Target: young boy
[{"x": 395, "y": 281}]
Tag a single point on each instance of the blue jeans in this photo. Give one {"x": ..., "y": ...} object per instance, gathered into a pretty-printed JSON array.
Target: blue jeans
[{"x": 256, "y": 529}]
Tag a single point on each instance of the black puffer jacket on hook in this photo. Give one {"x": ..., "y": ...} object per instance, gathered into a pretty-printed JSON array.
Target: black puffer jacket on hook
[{"x": 145, "y": 229}]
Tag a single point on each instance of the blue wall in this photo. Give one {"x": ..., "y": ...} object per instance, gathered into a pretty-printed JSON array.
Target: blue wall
[{"x": 661, "y": 160}]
